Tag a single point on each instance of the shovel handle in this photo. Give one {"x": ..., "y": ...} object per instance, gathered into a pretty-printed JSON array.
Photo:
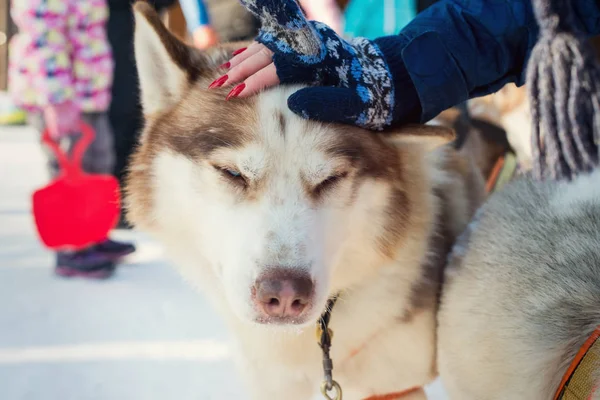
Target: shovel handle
[{"x": 72, "y": 166}]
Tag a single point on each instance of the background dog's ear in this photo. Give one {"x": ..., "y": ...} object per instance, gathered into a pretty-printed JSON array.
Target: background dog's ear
[
  {"x": 429, "y": 136},
  {"x": 165, "y": 64}
]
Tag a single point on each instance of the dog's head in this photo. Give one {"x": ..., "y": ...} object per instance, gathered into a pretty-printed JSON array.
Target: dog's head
[{"x": 283, "y": 211}]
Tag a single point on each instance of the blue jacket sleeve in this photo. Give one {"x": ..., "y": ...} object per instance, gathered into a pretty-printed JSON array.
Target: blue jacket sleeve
[
  {"x": 459, "y": 49},
  {"x": 195, "y": 13}
]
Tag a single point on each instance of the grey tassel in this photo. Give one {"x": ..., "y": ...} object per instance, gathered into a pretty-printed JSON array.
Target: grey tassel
[{"x": 563, "y": 81}]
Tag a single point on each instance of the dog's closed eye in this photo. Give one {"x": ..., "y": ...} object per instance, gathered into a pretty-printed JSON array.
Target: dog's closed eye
[
  {"x": 232, "y": 175},
  {"x": 329, "y": 182}
]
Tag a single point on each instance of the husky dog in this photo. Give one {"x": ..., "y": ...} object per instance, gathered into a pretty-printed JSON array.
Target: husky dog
[
  {"x": 271, "y": 215},
  {"x": 522, "y": 292}
]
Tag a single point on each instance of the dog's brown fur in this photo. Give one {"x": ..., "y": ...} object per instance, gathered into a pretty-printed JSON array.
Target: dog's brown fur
[{"x": 403, "y": 195}]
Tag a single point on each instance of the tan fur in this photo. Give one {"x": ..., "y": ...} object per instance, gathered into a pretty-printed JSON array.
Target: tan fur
[
  {"x": 387, "y": 206},
  {"x": 509, "y": 108}
]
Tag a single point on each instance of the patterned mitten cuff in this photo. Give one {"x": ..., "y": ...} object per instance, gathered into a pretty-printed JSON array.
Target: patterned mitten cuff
[
  {"x": 407, "y": 104},
  {"x": 353, "y": 77}
]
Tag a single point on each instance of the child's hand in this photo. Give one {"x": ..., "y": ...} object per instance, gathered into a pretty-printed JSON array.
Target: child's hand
[
  {"x": 62, "y": 119},
  {"x": 356, "y": 85},
  {"x": 205, "y": 37}
]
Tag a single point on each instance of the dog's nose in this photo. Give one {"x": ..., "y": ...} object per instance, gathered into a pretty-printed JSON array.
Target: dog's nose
[{"x": 283, "y": 294}]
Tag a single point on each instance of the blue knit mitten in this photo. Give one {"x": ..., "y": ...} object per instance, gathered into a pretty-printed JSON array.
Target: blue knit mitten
[{"x": 355, "y": 82}]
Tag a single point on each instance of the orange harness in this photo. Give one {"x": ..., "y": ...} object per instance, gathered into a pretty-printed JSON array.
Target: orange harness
[
  {"x": 394, "y": 396},
  {"x": 491, "y": 181},
  {"x": 577, "y": 383},
  {"x": 503, "y": 171}
]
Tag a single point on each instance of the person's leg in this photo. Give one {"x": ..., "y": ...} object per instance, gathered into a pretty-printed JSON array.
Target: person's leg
[
  {"x": 100, "y": 159},
  {"x": 125, "y": 112},
  {"x": 126, "y": 128},
  {"x": 100, "y": 155},
  {"x": 87, "y": 263}
]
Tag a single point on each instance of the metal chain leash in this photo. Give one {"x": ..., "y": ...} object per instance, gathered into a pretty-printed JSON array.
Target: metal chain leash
[{"x": 330, "y": 389}]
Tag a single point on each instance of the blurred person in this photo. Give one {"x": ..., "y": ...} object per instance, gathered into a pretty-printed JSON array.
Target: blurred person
[
  {"x": 125, "y": 113},
  {"x": 60, "y": 71},
  {"x": 376, "y": 18},
  {"x": 198, "y": 23},
  {"x": 213, "y": 21}
]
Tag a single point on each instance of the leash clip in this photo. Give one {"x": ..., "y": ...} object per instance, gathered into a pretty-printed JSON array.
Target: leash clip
[
  {"x": 324, "y": 336},
  {"x": 334, "y": 386}
]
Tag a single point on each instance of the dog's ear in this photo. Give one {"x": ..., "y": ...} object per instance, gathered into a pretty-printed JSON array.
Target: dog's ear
[
  {"x": 429, "y": 136},
  {"x": 166, "y": 66}
]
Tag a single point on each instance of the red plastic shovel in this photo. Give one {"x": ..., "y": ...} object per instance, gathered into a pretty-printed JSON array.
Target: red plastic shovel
[{"x": 76, "y": 209}]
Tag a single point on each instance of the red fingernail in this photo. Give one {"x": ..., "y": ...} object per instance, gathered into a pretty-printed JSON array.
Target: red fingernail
[
  {"x": 227, "y": 65},
  {"x": 218, "y": 82},
  {"x": 235, "y": 92},
  {"x": 238, "y": 51}
]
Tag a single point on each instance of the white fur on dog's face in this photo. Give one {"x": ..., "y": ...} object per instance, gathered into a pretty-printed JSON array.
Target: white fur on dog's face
[
  {"x": 281, "y": 225},
  {"x": 246, "y": 187}
]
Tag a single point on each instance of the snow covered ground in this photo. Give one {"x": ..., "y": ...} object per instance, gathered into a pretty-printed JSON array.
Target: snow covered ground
[{"x": 143, "y": 335}]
